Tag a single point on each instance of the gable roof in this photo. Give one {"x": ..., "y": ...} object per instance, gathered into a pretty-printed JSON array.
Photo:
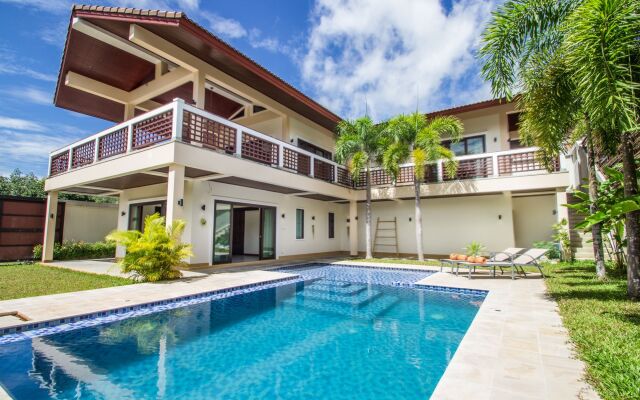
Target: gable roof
[{"x": 177, "y": 28}]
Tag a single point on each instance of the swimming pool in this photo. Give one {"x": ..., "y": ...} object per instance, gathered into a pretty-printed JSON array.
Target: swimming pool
[{"x": 339, "y": 333}]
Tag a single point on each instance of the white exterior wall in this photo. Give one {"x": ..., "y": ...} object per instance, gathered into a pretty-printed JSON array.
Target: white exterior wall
[
  {"x": 88, "y": 222},
  {"x": 533, "y": 217},
  {"x": 311, "y": 133},
  {"x": 448, "y": 224}
]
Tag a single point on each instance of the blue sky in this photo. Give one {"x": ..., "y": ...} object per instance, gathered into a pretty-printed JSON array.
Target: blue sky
[{"x": 340, "y": 52}]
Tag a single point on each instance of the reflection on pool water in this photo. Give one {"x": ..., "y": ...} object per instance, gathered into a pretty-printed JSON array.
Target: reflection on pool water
[{"x": 344, "y": 333}]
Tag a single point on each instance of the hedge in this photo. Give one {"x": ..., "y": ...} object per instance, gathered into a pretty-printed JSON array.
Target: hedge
[{"x": 71, "y": 250}]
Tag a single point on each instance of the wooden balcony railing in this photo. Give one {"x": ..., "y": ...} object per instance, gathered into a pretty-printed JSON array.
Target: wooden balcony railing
[{"x": 177, "y": 121}]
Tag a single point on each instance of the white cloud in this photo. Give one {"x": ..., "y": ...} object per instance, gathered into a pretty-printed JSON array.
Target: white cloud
[
  {"x": 11, "y": 65},
  {"x": 29, "y": 94},
  {"x": 385, "y": 51},
  {"x": 20, "y": 124},
  {"x": 225, "y": 27},
  {"x": 35, "y": 146}
]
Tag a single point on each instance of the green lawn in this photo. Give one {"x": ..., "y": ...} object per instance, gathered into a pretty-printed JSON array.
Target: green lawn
[
  {"x": 27, "y": 280},
  {"x": 604, "y": 325}
]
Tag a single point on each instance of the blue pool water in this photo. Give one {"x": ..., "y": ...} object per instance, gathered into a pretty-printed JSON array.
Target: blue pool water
[{"x": 343, "y": 333}]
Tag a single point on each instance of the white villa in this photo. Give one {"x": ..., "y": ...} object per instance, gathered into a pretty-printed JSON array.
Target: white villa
[{"x": 203, "y": 133}]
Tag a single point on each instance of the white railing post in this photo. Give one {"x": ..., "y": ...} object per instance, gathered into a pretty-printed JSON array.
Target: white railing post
[
  {"x": 176, "y": 128},
  {"x": 494, "y": 161},
  {"x": 238, "y": 152},
  {"x": 280, "y": 156},
  {"x": 129, "y": 137},
  {"x": 69, "y": 159},
  {"x": 312, "y": 168},
  {"x": 440, "y": 172},
  {"x": 335, "y": 174},
  {"x": 95, "y": 150}
]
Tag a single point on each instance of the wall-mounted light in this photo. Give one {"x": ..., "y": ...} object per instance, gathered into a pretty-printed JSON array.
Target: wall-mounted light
[
  {"x": 356, "y": 218},
  {"x": 500, "y": 216},
  {"x": 181, "y": 202},
  {"x": 409, "y": 219},
  {"x": 555, "y": 212},
  {"x": 495, "y": 139},
  {"x": 282, "y": 215},
  {"x": 348, "y": 219},
  {"x": 123, "y": 213},
  {"x": 313, "y": 218},
  {"x": 52, "y": 216},
  {"x": 203, "y": 207}
]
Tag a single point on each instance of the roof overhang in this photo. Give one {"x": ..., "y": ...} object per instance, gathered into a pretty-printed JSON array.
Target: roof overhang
[{"x": 98, "y": 49}]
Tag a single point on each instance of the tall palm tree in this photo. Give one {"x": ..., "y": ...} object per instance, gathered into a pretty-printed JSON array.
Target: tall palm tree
[
  {"x": 598, "y": 41},
  {"x": 360, "y": 144},
  {"x": 417, "y": 138}
]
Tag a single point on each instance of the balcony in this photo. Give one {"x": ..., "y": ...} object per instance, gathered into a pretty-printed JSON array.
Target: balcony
[{"x": 180, "y": 122}]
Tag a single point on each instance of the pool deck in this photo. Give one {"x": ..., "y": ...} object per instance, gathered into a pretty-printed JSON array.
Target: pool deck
[{"x": 516, "y": 347}]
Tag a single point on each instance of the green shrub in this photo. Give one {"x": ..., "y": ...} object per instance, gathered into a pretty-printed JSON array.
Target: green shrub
[
  {"x": 71, "y": 250},
  {"x": 554, "y": 252},
  {"x": 154, "y": 253}
]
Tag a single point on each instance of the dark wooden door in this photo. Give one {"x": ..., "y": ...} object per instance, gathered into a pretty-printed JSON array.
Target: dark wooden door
[{"x": 237, "y": 247}]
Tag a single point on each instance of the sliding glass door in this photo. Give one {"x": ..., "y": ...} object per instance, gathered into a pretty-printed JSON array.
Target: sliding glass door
[
  {"x": 222, "y": 233},
  {"x": 267, "y": 233}
]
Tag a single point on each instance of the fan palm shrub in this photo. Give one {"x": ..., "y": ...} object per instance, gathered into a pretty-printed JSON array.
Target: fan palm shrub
[
  {"x": 416, "y": 138},
  {"x": 155, "y": 253}
]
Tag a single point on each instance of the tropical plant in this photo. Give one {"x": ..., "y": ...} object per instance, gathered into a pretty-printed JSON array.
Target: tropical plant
[
  {"x": 595, "y": 42},
  {"x": 612, "y": 206},
  {"x": 561, "y": 236},
  {"x": 360, "y": 145},
  {"x": 475, "y": 249},
  {"x": 155, "y": 253},
  {"x": 553, "y": 248},
  {"x": 416, "y": 138}
]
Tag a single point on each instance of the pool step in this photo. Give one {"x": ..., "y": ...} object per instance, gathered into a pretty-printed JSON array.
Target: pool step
[
  {"x": 359, "y": 300},
  {"x": 370, "y": 311},
  {"x": 350, "y": 290}
]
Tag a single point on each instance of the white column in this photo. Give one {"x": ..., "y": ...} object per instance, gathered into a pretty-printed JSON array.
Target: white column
[
  {"x": 175, "y": 193},
  {"x": 50, "y": 226},
  {"x": 129, "y": 111},
  {"x": 199, "y": 89},
  {"x": 353, "y": 228},
  {"x": 123, "y": 219},
  {"x": 507, "y": 218},
  {"x": 562, "y": 212}
]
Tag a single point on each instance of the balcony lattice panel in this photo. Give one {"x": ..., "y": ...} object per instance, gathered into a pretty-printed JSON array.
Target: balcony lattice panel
[
  {"x": 260, "y": 150},
  {"x": 510, "y": 164},
  {"x": 59, "y": 163},
  {"x": 213, "y": 134},
  {"x": 293, "y": 160},
  {"x": 323, "y": 170},
  {"x": 470, "y": 169},
  {"x": 112, "y": 144},
  {"x": 83, "y": 154},
  {"x": 153, "y": 130},
  {"x": 344, "y": 177}
]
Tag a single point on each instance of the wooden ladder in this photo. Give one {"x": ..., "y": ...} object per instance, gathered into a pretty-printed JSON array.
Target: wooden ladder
[{"x": 389, "y": 230}]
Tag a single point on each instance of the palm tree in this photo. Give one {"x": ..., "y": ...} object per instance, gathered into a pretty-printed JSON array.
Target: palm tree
[
  {"x": 597, "y": 39},
  {"x": 360, "y": 144},
  {"x": 417, "y": 138}
]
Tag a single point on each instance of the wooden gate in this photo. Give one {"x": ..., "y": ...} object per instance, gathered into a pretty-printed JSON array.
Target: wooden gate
[{"x": 22, "y": 226}]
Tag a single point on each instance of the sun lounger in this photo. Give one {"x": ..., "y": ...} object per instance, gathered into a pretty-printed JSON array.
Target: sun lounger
[
  {"x": 530, "y": 257},
  {"x": 500, "y": 256}
]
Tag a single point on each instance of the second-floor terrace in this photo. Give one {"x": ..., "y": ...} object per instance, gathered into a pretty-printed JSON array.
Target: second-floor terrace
[{"x": 214, "y": 148}]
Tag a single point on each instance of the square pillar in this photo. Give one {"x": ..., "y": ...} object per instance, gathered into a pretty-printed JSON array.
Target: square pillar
[
  {"x": 175, "y": 193},
  {"x": 562, "y": 212},
  {"x": 50, "y": 226},
  {"x": 123, "y": 219},
  {"x": 353, "y": 228},
  {"x": 199, "y": 89}
]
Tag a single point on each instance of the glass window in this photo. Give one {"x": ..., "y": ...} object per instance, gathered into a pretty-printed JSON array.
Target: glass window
[
  {"x": 332, "y": 218},
  {"x": 475, "y": 145},
  {"x": 299, "y": 223},
  {"x": 468, "y": 145}
]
